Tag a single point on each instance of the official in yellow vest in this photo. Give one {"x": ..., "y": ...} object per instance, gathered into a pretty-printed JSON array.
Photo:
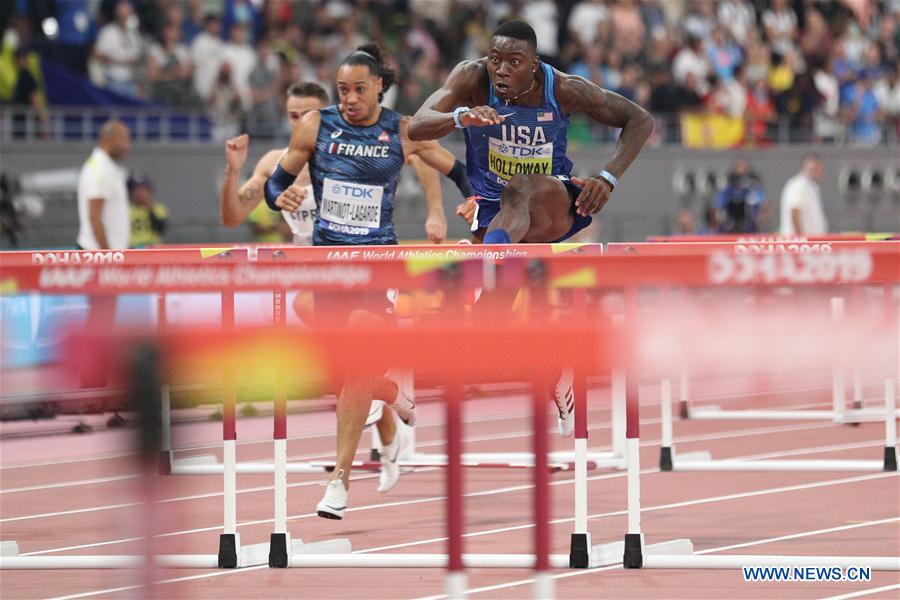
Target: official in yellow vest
[{"x": 148, "y": 217}]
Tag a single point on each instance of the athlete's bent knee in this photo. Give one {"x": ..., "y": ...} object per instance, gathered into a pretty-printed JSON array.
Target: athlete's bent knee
[{"x": 517, "y": 190}]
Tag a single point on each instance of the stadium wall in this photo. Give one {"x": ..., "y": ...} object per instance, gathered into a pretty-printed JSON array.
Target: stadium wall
[{"x": 187, "y": 179}]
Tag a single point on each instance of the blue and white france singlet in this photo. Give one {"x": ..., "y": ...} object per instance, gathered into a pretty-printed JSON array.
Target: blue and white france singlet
[
  {"x": 531, "y": 141},
  {"x": 354, "y": 173}
]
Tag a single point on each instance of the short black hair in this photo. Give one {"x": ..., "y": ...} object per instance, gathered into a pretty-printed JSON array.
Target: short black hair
[
  {"x": 308, "y": 89},
  {"x": 519, "y": 30},
  {"x": 372, "y": 57}
]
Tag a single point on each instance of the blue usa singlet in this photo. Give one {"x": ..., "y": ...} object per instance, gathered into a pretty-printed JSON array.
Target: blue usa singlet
[
  {"x": 354, "y": 173},
  {"x": 531, "y": 141}
]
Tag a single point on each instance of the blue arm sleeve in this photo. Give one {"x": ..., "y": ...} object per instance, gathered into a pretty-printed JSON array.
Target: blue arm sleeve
[{"x": 279, "y": 181}]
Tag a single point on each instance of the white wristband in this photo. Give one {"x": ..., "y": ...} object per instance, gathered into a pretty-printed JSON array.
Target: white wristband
[
  {"x": 456, "y": 114},
  {"x": 609, "y": 177}
]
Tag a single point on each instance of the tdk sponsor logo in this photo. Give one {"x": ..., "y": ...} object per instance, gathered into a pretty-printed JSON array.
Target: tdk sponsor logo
[{"x": 351, "y": 191}]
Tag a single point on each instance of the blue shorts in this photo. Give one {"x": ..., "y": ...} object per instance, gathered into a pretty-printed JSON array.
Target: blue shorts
[{"x": 486, "y": 210}]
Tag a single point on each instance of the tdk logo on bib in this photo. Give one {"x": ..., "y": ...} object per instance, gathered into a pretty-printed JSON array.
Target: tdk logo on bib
[
  {"x": 352, "y": 191},
  {"x": 352, "y": 208}
]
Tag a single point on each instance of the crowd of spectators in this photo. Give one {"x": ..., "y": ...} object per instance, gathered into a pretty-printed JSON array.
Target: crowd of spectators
[{"x": 816, "y": 69}]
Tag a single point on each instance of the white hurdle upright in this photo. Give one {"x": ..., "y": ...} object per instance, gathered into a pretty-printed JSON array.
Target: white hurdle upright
[
  {"x": 636, "y": 556},
  {"x": 702, "y": 461},
  {"x": 838, "y": 413}
]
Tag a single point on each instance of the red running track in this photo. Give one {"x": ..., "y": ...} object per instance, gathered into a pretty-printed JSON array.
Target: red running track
[{"x": 48, "y": 505}]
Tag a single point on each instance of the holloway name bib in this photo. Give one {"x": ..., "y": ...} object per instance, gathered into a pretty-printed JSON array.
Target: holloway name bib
[{"x": 506, "y": 159}]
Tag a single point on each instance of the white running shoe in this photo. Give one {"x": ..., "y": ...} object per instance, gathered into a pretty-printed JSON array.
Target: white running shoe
[
  {"x": 376, "y": 409},
  {"x": 390, "y": 455},
  {"x": 334, "y": 502},
  {"x": 564, "y": 396},
  {"x": 405, "y": 402}
]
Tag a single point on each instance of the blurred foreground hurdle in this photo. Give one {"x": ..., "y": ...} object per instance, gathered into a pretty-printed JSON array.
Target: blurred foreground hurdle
[
  {"x": 808, "y": 277},
  {"x": 641, "y": 347}
]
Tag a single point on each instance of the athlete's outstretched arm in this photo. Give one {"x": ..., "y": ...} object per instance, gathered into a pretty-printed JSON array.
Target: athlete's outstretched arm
[
  {"x": 427, "y": 160},
  {"x": 577, "y": 94},
  {"x": 235, "y": 204},
  {"x": 435, "y": 221},
  {"x": 434, "y": 119},
  {"x": 303, "y": 144}
]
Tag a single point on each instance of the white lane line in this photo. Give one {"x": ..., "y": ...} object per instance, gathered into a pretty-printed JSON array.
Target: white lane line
[
  {"x": 258, "y": 441},
  {"x": 507, "y": 584},
  {"x": 66, "y": 461},
  {"x": 794, "y": 536},
  {"x": 508, "y": 489},
  {"x": 695, "y": 502},
  {"x": 699, "y": 399},
  {"x": 50, "y": 486},
  {"x": 649, "y": 443},
  {"x": 868, "y": 592},
  {"x": 512, "y": 435},
  {"x": 469, "y": 439},
  {"x": 512, "y": 584}
]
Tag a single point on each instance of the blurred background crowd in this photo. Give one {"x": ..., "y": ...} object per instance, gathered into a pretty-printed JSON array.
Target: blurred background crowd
[{"x": 715, "y": 73}]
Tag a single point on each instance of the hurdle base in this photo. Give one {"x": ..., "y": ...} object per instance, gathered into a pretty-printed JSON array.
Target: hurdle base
[
  {"x": 580, "y": 551},
  {"x": 633, "y": 556},
  {"x": 684, "y": 410},
  {"x": 604, "y": 555},
  {"x": 229, "y": 549},
  {"x": 665, "y": 458},
  {"x": 279, "y": 550},
  {"x": 890, "y": 459}
]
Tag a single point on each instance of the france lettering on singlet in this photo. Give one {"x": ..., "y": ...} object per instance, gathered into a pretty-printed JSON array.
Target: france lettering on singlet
[
  {"x": 354, "y": 173},
  {"x": 529, "y": 141}
]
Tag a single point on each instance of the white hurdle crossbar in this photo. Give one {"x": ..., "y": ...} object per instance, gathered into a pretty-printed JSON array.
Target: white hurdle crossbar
[
  {"x": 702, "y": 461},
  {"x": 838, "y": 413}
]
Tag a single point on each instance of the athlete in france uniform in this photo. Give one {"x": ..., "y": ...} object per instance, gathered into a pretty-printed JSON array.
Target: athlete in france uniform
[
  {"x": 355, "y": 151},
  {"x": 354, "y": 172},
  {"x": 236, "y": 203}
]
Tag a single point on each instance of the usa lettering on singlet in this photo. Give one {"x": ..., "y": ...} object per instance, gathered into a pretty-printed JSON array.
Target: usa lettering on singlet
[
  {"x": 530, "y": 141},
  {"x": 354, "y": 173},
  {"x": 301, "y": 220}
]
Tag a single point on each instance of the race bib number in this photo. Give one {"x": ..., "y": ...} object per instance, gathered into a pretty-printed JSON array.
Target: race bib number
[
  {"x": 506, "y": 159},
  {"x": 354, "y": 205}
]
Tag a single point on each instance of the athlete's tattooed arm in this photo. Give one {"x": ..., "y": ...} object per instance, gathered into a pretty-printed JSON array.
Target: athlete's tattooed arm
[
  {"x": 578, "y": 95},
  {"x": 236, "y": 203}
]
